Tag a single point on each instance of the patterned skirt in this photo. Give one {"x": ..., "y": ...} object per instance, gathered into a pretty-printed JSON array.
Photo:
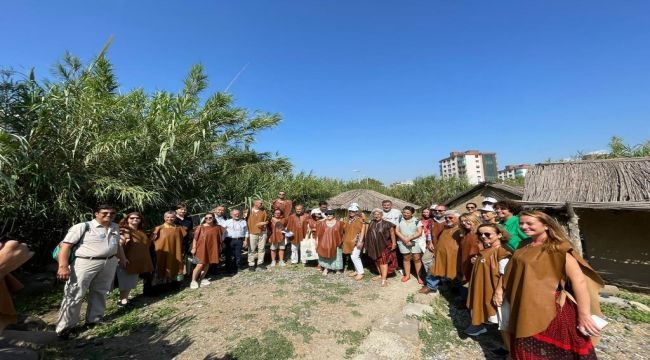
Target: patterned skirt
[{"x": 561, "y": 340}]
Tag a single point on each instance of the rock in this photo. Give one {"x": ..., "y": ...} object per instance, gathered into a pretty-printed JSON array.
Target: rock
[
  {"x": 28, "y": 323},
  {"x": 613, "y": 300},
  {"x": 416, "y": 309},
  {"x": 639, "y": 306},
  {"x": 608, "y": 290},
  {"x": 424, "y": 298},
  {"x": 383, "y": 345}
]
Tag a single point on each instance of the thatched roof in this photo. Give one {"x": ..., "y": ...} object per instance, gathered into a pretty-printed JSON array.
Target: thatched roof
[
  {"x": 367, "y": 200},
  {"x": 498, "y": 191},
  {"x": 611, "y": 183}
]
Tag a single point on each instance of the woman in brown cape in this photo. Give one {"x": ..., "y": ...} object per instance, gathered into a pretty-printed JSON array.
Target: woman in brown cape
[
  {"x": 380, "y": 244},
  {"x": 206, "y": 248},
  {"x": 544, "y": 323},
  {"x": 489, "y": 267},
  {"x": 277, "y": 226},
  {"x": 467, "y": 251},
  {"x": 329, "y": 238},
  {"x": 168, "y": 241},
  {"x": 136, "y": 245}
]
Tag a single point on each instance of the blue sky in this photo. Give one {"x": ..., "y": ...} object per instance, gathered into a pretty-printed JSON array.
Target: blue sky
[{"x": 387, "y": 88}]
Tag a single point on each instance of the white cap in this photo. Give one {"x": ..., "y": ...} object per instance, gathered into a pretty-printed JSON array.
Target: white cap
[
  {"x": 487, "y": 208},
  {"x": 353, "y": 207},
  {"x": 316, "y": 211},
  {"x": 490, "y": 200},
  {"x": 433, "y": 206}
]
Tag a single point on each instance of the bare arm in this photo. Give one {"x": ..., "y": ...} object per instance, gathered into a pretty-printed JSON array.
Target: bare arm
[
  {"x": 392, "y": 238},
  {"x": 63, "y": 272},
  {"x": 579, "y": 285}
]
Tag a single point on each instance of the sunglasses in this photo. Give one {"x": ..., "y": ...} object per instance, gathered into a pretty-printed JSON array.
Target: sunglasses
[
  {"x": 134, "y": 218},
  {"x": 438, "y": 211},
  {"x": 209, "y": 217},
  {"x": 470, "y": 207},
  {"x": 486, "y": 235}
]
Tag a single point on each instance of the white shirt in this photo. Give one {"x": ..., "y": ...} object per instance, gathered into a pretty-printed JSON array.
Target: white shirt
[
  {"x": 394, "y": 216},
  {"x": 236, "y": 228}
]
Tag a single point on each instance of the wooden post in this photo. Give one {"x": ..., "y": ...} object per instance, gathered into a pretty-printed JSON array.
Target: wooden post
[{"x": 574, "y": 229}]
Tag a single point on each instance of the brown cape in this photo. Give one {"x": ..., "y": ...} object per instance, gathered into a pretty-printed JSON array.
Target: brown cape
[
  {"x": 446, "y": 253},
  {"x": 485, "y": 276},
  {"x": 531, "y": 281}
]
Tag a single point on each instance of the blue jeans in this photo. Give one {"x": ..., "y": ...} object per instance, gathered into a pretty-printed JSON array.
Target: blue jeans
[
  {"x": 432, "y": 282},
  {"x": 233, "y": 252}
]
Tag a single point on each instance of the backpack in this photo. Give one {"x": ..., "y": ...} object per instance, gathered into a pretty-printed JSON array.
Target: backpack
[{"x": 57, "y": 249}]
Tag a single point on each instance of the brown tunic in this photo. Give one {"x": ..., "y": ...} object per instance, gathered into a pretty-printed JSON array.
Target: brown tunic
[
  {"x": 208, "y": 243},
  {"x": 285, "y": 205},
  {"x": 168, "y": 240},
  {"x": 255, "y": 218},
  {"x": 436, "y": 229},
  {"x": 446, "y": 258},
  {"x": 353, "y": 228},
  {"x": 467, "y": 249},
  {"x": 276, "y": 235},
  {"x": 531, "y": 282},
  {"x": 136, "y": 250},
  {"x": 484, "y": 279},
  {"x": 298, "y": 226},
  {"x": 378, "y": 238},
  {"x": 329, "y": 238}
]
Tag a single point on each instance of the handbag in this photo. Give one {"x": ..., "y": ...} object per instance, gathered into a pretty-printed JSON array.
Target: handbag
[
  {"x": 57, "y": 249},
  {"x": 308, "y": 249}
]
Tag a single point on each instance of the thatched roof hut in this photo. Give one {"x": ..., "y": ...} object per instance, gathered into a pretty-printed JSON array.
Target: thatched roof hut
[
  {"x": 595, "y": 184},
  {"x": 605, "y": 206},
  {"x": 366, "y": 199},
  {"x": 482, "y": 190}
]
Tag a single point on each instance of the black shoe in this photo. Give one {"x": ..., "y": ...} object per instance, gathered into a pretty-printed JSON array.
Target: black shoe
[
  {"x": 500, "y": 352},
  {"x": 64, "y": 335}
]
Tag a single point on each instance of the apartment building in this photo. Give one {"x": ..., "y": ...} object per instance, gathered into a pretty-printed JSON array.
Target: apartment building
[
  {"x": 473, "y": 165},
  {"x": 514, "y": 171}
]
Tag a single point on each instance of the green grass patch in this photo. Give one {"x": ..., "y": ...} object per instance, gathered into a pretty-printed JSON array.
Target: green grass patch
[
  {"x": 352, "y": 338},
  {"x": 164, "y": 312},
  {"x": 640, "y": 298},
  {"x": 355, "y": 313},
  {"x": 41, "y": 303},
  {"x": 410, "y": 298},
  {"x": 630, "y": 313},
  {"x": 272, "y": 345},
  {"x": 249, "y": 316},
  {"x": 122, "y": 326},
  {"x": 438, "y": 332}
]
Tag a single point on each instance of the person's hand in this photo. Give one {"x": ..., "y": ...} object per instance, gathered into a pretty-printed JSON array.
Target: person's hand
[
  {"x": 497, "y": 298},
  {"x": 393, "y": 246},
  {"x": 587, "y": 326},
  {"x": 430, "y": 246},
  {"x": 124, "y": 263},
  {"x": 245, "y": 245},
  {"x": 193, "y": 251},
  {"x": 63, "y": 273},
  {"x": 473, "y": 259},
  {"x": 360, "y": 245}
]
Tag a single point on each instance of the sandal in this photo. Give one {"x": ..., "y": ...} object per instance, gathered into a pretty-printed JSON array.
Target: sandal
[
  {"x": 405, "y": 278},
  {"x": 359, "y": 277},
  {"x": 384, "y": 283},
  {"x": 420, "y": 281},
  {"x": 378, "y": 277},
  {"x": 352, "y": 274}
]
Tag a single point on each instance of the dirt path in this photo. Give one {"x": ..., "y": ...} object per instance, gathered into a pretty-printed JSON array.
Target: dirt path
[{"x": 322, "y": 317}]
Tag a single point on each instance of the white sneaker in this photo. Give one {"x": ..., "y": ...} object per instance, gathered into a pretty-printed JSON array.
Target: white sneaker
[
  {"x": 205, "y": 282},
  {"x": 272, "y": 263},
  {"x": 194, "y": 285},
  {"x": 282, "y": 263}
]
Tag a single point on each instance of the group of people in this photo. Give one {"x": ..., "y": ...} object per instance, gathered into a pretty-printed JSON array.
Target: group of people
[{"x": 511, "y": 268}]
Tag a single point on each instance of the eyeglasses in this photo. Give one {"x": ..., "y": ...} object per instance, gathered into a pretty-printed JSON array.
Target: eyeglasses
[
  {"x": 486, "y": 235},
  {"x": 438, "y": 211},
  {"x": 134, "y": 218},
  {"x": 107, "y": 213},
  {"x": 209, "y": 217}
]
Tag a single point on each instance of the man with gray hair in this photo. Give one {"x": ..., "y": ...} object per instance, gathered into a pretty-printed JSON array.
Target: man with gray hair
[{"x": 446, "y": 253}]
